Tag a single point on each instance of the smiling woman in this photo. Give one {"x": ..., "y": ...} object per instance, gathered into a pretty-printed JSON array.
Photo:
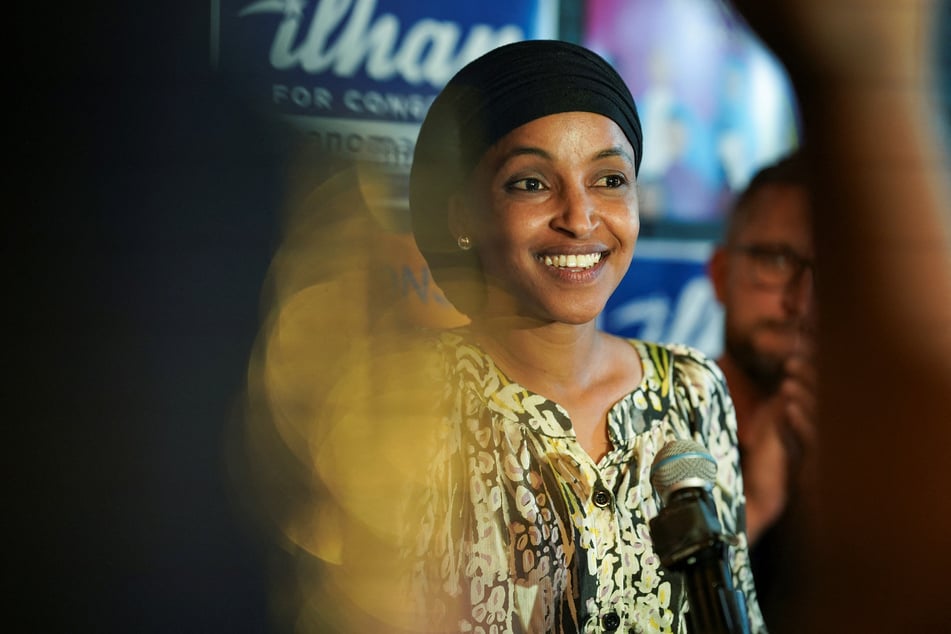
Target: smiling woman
[
  {"x": 553, "y": 205},
  {"x": 493, "y": 475},
  {"x": 523, "y": 194}
]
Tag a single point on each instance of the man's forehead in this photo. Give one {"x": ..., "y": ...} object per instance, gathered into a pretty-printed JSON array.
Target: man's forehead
[{"x": 778, "y": 205}]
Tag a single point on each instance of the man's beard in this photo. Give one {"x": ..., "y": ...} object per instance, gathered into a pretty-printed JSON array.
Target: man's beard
[{"x": 766, "y": 371}]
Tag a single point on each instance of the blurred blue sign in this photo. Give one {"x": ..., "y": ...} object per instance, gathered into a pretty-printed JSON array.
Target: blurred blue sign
[
  {"x": 360, "y": 75},
  {"x": 666, "y": 296}
]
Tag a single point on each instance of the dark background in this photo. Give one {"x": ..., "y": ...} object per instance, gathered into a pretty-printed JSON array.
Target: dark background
[{"x": 142, "y": 212}]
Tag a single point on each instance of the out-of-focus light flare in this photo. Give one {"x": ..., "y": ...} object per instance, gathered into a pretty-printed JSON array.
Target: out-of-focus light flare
[{"x": 340, "y": 413}]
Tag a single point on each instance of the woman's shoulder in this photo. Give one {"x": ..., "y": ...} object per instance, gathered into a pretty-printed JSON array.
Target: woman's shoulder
[
  {"x": 680, "y": 363},
  {"x": 454, "y": 351},
  {"x": 679, "y": 354}
]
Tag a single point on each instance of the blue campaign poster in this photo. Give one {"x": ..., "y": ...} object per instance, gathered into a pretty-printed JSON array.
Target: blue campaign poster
[
  {"x": 359, "y": 75},
  {"x": 666, "y": 296}
]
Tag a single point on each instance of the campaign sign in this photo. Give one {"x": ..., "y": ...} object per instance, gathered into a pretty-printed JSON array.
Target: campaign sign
[
  {"x": 666, "y": 296},
  {"x": 359, "y": 75}
]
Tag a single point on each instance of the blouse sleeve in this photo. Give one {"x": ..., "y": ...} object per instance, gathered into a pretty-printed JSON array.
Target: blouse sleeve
[
  {"x": 703, "y": 399},
  {"x": 435, "y": 513}
]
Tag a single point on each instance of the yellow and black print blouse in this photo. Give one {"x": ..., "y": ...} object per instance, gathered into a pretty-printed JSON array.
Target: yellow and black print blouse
[{"x": 523, "y": 532}]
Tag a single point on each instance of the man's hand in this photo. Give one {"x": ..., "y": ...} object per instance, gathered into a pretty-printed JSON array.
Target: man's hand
[{"x": 779, "y": 445}]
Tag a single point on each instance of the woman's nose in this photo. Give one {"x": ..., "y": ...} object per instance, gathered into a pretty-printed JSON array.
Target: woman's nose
[{"x": 578, "y": 216}]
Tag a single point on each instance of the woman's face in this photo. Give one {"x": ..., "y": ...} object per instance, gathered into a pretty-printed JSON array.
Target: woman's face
[{"x": 553, "y": 214}]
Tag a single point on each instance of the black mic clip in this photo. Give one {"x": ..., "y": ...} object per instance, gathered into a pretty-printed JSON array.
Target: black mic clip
[
  {"x": 687, "y": 526},
  {"x": 689, "y": 539}
]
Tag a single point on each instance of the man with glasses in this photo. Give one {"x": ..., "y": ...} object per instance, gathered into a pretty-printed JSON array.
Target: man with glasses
[{"x": 763, "y": 276}]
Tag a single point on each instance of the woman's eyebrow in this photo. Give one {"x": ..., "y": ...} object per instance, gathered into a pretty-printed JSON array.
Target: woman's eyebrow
[
  {"x": 526, "y": 150},
  {"x": 529, "y": 150},
  {"x": 615, "y": 151}
]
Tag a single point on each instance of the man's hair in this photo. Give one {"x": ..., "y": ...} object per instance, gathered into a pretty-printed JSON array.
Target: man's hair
[{"x": 787, "y": 171}]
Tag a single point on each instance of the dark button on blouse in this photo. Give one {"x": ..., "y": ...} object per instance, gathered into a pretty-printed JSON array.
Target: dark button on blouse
[
  {"x": 611, "y": 621},
  {"x": 601, "y": 498}
]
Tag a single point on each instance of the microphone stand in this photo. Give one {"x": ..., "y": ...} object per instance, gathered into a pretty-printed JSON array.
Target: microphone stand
[{"x": 689, "y": 539}]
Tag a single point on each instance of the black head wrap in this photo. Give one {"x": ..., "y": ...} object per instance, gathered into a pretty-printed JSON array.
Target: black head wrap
[{"x": 491, "y": 96}]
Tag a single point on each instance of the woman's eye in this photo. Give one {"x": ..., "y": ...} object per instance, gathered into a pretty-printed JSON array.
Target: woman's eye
[
  {"x": 527, "y": 185},
  {"x": 612, "y": 181}
]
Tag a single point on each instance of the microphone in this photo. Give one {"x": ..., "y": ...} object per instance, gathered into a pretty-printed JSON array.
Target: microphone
[{"x": 689, "y": 538}]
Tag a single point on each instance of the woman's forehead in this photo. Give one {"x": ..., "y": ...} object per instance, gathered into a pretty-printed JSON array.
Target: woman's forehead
[{"x": 583, "y": 135}]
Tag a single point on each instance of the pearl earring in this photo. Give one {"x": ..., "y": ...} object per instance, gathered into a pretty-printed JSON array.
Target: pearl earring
[{"x": 464, "y": 242}]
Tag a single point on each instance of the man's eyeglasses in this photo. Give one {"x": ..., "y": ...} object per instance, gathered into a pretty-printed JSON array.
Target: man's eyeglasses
[{"x": 774, "y": 265}]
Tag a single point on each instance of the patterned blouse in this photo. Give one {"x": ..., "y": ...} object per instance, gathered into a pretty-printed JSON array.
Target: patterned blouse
[{"x": 523, "y": 532}]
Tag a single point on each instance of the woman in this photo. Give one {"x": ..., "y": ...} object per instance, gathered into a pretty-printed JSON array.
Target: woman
[{"x": 524, "y": 203}]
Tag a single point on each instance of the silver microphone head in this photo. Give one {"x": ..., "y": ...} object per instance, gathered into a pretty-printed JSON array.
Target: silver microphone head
[{"x": 681, "y": 464}]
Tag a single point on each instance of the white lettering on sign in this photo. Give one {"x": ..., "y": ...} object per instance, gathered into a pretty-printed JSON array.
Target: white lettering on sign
[
  {"x": 693, "y": 317},
  {"x": 389, "y": 105},
  {"x": 308, "y": 98},
  {"x": 343, "y": 36},
  {"x": 398, "y": 107}
]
